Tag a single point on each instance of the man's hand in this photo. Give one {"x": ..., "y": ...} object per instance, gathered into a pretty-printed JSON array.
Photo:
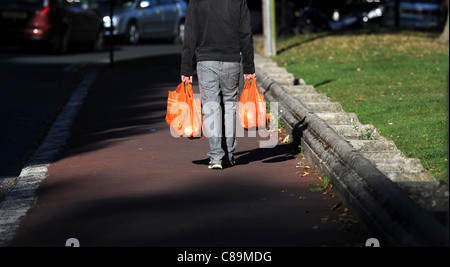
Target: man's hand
[
  {"x": 187, "y": 79},
  {"x": 249, "y": 76}
]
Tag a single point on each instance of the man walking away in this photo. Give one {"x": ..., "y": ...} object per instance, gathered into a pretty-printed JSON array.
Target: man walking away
[{"x": 218, "y": 35}]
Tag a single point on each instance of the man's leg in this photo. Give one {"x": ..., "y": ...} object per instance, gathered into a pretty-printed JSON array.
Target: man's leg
[
  {"x": 207, "y": 72},
  {"x": 229, "y": 84}
]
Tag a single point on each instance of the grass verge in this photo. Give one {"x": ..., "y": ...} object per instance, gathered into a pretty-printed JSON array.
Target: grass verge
[{"x": 395, "y": 80}]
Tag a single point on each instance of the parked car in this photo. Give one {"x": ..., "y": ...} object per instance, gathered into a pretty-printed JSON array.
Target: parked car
[
  {"x": 415, "y": 14},
  {"x": 55, "y": 23},
  {"x": 350, "y": 14},
  {"x": 134, "y": 20}
]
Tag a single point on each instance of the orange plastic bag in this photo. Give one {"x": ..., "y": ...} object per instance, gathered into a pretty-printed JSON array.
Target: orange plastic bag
[
  {"x": 193, "y": 126},
  {"x": 252, "y": 107},
  {"x": 184, "y": 112}
]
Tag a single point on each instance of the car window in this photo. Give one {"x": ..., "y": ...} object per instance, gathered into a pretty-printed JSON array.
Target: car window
[
  {"x": 71, "y": 3},
  {"x": 23, "y": 1},
  {"x": 164, "y": 2},
  {"x": 118, "y": 3},
  {"x": 84, "y": 4},
  {"x": 362, "y": 2},
  {"x": 126, "y": 3},
  {"x": 424, "y": 1}
]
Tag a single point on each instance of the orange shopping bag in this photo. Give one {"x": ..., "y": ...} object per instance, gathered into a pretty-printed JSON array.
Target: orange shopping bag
[
  {"x": 193, "y": 127},
  {"x": 252, "y": 107},
  {"x": 184, "y": 112}
]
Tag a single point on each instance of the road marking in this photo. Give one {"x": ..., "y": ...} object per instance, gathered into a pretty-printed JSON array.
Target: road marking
[
  {"x": 22, "y": 195},
  {"x": 74, "y": 67}
]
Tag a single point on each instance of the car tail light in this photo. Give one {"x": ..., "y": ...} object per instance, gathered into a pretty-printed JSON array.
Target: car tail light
[{"x": 40, "y": 21}]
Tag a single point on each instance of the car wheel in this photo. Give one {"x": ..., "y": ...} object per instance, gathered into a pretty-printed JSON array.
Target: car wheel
[
  {"x": 99, "y": 42},
  {"x": 132, "y": 35},
  {"x": 179, "y": 37},
  {"x": 62, "y": 41}
]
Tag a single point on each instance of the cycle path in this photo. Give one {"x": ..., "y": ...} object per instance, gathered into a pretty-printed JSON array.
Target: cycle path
[{"x": 123, "y": 180}]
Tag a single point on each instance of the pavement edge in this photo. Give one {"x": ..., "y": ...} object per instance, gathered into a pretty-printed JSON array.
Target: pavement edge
[{"x": 21, "y": 196}]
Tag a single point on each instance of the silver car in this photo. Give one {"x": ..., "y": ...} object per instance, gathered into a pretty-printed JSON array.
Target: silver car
[{"x": 134, "y": 20}]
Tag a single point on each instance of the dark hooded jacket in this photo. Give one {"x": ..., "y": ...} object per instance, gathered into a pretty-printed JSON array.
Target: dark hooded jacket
[{"x": 217, "y": 30}]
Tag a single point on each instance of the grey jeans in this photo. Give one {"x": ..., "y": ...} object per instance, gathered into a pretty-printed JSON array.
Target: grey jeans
[{"x": 219, "y": 83}]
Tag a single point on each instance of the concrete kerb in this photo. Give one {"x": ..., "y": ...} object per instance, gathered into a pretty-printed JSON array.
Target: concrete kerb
[{"x": 373, "y": 197}]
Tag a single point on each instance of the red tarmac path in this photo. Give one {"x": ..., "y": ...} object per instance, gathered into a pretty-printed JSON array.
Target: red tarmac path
[{"x": 123, "y": 180}]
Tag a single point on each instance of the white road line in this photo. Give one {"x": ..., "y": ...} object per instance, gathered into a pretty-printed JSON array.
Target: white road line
[
  {"x": 22, "y": 195},
  {"x": 74, "y": 67}
]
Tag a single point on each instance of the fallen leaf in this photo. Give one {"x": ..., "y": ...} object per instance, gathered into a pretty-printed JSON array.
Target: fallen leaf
[
  {"x": 335, "y": 206},
  {"x": 314, "y": 188},
  {"x": 304, "y": 174}
]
